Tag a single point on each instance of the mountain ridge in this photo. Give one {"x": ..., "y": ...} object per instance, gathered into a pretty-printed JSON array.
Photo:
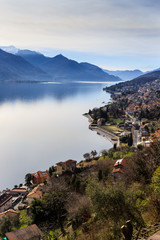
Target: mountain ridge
[
  {"x": 13, "y": 67},
  {"x": 63, "y": 69}
]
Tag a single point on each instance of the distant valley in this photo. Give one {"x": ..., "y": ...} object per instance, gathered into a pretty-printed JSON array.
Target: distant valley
[{"x": 125, "y": 74}]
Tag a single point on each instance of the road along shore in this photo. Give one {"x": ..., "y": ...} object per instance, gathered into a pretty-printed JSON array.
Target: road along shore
[{"x": 114, "y": 139}]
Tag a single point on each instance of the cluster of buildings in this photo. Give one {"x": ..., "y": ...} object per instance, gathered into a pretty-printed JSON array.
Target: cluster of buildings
[
  {"x": 12, "y": 198},
  {"x": 137, "y": 100},
  {"x": 18, "y": 198},
  {"x": 140, "y": 98}
]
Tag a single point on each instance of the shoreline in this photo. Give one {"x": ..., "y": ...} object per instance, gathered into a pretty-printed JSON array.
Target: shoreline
[{"x": 101, "y": 131}]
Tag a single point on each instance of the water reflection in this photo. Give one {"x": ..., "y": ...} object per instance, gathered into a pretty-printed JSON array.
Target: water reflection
[
  {"x": 43, "y": 124},
  {"x": 34, "y": 91}
]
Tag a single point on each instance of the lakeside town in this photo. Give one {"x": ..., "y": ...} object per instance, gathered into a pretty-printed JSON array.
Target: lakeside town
[
  {"x": 133, "y": 110},
  {"x": 132, "y": 125}
]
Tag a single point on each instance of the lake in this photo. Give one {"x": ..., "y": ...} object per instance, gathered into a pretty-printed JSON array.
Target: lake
[{"x": 42, "y": 124}]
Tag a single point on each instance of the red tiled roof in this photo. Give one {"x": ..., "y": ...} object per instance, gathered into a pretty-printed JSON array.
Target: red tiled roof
[
  {"x": 41, "y": 173},
  {"x": 36, "y": 192},
  {"x": 122, "y": 162},
  {"x": 9, "y": 212},
  {"x": 117, "y": 170},
  {"x": 19, "y": 189}
]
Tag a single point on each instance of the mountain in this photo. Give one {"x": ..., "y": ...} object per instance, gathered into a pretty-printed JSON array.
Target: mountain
[
  {"x": 64, "y": 69},
  {"x": 33, "y": 66},
  {"x": 98, "y": 72},
  {"x": 14, "y": 67},
  {"x": 9, "y": 49},
  {"x": 126, "y": 74},
  {"x": 135, "y": 83},
  {"x": 33, "y": 57}
]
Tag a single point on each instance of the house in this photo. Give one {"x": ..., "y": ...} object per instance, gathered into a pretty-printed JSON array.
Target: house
[
  {"x": 144, "y": 131},
  {"x": 5, "y": 202},
  {"x": 101, "y": 121},
  {"x": 28, "y": 233},
  {"x": 9, "y": 213},
  {"x": 69, "y": 165},
  {"x": 40, "y": 177},
  {"x": 18, "y": 192},
  {"x": 119, "y": 168},
  {"x": 35, "y": 193}
]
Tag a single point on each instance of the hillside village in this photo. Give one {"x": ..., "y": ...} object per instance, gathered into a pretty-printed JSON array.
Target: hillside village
[{"x": 114, "y": 195}]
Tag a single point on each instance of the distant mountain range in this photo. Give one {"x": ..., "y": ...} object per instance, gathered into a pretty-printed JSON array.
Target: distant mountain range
[
  {"x": 62, "y": 68},
  {"x": 26, "y": 65},
  {"x": 125, "y": 74},
  {"x": 136, "y": 82}
]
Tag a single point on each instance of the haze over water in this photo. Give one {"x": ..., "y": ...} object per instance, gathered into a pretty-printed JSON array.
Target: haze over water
[{"x": 42, "y": 124}]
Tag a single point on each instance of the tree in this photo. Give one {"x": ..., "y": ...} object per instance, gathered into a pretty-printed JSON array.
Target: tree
[
  {"x": 52, "y": 170},
  {"x": 143, "y": 164},
  {"x": 28, "y": 179},
  {"x": 113, "y": 205},
  {"x": 105, "y": 167},
  {"x": 104, "y": 153},
  {"x": 115, "y": 146},
  {"x": 100, "y": 175},
  {"x": 50, "y": 209},
  {"x": 93, "y": 153},
  {"x": 130, "y": 140},
  {"x": 156, "y": 181},
  {"x": 54, "y": 206},
  {"x": 37, "y": 210},
  {"x": 86, "y": 156},
  {"x": 5, "y": 225}
]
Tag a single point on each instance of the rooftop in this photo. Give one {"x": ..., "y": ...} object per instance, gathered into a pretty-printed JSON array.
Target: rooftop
[
  {"x": 19, "y": 189},
  {"x": 29, "y": 233},
  {"x": 4, "y": 198},
  {"x": 36, "y": 192}
]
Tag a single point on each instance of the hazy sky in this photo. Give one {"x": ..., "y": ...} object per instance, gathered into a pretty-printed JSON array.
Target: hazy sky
[{"x": 111, "y": 33}]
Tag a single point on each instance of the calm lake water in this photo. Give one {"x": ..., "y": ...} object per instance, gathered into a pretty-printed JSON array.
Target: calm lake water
[{"x": 42, "y": 124}]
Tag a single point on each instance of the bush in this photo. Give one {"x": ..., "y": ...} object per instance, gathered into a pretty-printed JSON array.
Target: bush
[
  {"x": 114, "y": 205},
  {"x": 7, "y": 224},
  {"x": 156, "y": 181},
  {"x": 81, "y": 211}
]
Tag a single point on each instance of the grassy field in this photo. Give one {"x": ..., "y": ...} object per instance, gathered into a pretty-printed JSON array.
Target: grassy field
[
  {"x": 118, "y": 120},
  {"x": 112, "y": 128}
]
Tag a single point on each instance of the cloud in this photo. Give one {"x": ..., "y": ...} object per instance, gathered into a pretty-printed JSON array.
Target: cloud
[{"x": 122, "y": 26}]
